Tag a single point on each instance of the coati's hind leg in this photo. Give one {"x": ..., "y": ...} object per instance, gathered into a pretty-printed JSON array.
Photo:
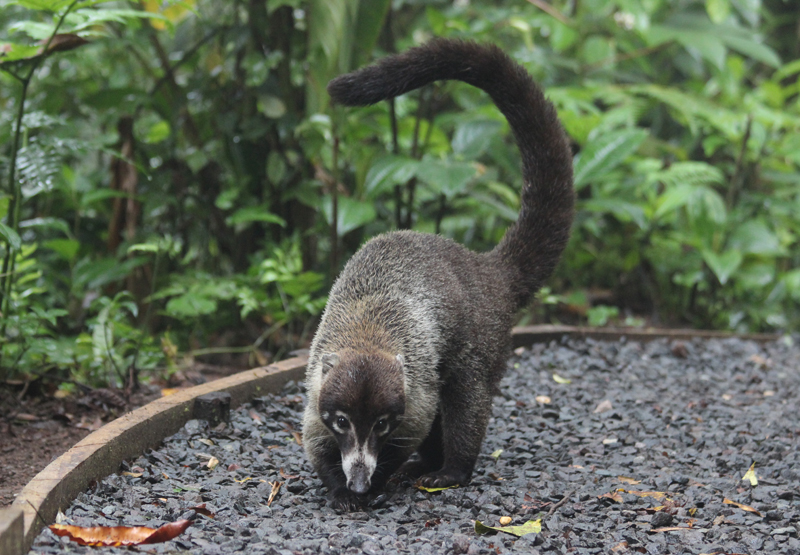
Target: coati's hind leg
[{"x": 466, "y": 405}]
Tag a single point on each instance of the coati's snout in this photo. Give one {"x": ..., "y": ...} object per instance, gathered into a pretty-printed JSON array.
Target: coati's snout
[{"x": 362, "y": 401}]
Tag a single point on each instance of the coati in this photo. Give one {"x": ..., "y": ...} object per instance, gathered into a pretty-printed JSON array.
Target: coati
[{"x": 416, "y": 332}]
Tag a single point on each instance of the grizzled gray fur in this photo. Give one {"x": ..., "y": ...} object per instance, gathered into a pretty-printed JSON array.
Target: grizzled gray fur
[{"x": 417, "y": 329}]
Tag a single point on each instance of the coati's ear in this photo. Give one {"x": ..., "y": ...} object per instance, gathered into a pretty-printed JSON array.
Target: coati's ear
[
  {"x": 401, "y": 360},
  {"x": 329, "y": 360}
]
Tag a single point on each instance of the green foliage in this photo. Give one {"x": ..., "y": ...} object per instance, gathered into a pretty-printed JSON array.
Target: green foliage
[{"x": 185, "y": 172}]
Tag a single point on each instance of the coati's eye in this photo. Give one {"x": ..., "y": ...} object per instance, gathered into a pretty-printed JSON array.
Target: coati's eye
[
  {"x": 381, "y": 426},
  {"x": 342, "y": 423}
]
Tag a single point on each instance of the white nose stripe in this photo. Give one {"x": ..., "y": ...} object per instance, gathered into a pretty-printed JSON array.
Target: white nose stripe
[{"x": 357, "y": 457}]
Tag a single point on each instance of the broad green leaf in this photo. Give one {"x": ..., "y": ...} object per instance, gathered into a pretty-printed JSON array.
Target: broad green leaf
[
  {"x": 388, "y": 171},
  {"x": 672, "y": 199},
  {"x": 605, "y": 153},
  {"x": 97, "y": 195},
  {"x": 620, "y": 209},
  {"x": 753, "y": 49},
  {"x": 92, "y": 274},
  {"x": 190, "y": 305},
  {"x": 51, "y": 223},
  {"x": 65, "y": 248},
  {"x": 11, "y": 237},
  {"x": 251, "y": 214},
  {"x": 11, "y": 52},
  {"x": 371, "y": 15},
  {"x": 530, "y": 527},
  {"x": 352, "y": 213},
  {"x": 723, "y": 265},
  {"x": 5, "y": 200},
  {"x": 718, "y": 10},
  {"x": 44, "y": 5},
  {"x": 271, "y": 106},
  {"x": 446, "y": 177},
  {"x": 158, "y": 132},
  {"x": 472, "y": 138},
  {"x": 756, "y": 237}
]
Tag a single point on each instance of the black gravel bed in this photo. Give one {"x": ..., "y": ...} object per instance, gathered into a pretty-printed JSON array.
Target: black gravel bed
[{"x": 683, "y": 420}]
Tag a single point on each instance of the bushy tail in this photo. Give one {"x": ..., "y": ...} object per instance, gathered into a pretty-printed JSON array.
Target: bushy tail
[{"x": 532, "y": 246}]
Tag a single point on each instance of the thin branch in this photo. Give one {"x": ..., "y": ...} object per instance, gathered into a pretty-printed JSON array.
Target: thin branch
[
  {"x": 550, "y": 10},
  {"x": 735, "y": 186}
]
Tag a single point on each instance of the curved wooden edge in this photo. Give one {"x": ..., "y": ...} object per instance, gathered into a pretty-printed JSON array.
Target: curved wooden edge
[
  {"x": 525, "y": 336},
  {"x": 100, "y": 453}
]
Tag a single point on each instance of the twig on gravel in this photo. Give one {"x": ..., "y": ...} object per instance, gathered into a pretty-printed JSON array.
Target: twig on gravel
[{"x": 561, "y": 503}]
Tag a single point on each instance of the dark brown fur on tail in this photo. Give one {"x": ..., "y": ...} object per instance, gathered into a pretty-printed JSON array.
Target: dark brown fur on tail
[{"x": 417, "y": 329}]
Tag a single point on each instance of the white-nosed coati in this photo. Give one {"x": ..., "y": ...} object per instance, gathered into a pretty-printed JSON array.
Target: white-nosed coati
[{"x": 416, "y": 332}]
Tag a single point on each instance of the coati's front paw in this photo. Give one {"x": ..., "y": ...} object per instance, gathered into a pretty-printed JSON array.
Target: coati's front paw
[
  {"x": 345, "y": 501},
  {"x": 443, "y": 479}
]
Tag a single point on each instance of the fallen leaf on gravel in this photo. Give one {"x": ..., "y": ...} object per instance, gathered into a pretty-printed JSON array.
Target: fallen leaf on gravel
[
  {"x": 242, "y": 481},
  {"x": 496, "y": 454},
  {"x": 621, "y": 546},
  {"x": 120, "y": 535},
  {"x": 751, "y": 475},
  {"x": 132, "y": 474},
  {"x": 202, "y": 510},
  {"x": 559, "y": 379},
  {"x": 433, "y": 490},
  {"x": 25, "y": 417},
  {"x": 543, "y": 399},
  {"x": 627, "y": 480},
  {"x": 603, "y": 406},
  {"x": 254, "y": 415},
  {"x": 298, "y": 437},
  {"x": 613, "y": 495},
  {"x": 205, "y": 441},
  {"x": 530, "y": 527},
  {"x": 212, "y": 463},
  {"x": 654, "y": 494},
  {"x": 275, "y": 487},
  {"x": 287, "y": 476},
  {"x": 747, "y": 508}
]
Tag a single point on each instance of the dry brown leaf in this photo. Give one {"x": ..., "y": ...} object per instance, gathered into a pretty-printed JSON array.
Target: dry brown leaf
[
  {"x": 658, "y": 495},
  {"x": 621, "y": 546},
  {"x": 747, "y": 508},
  {"x": 543, "y": 399},
  {"x": 120, "y": 535},
  {"x": 603, "y": 406},
  {"x": 751, "y": 475},
  {"x": 275, "y": 487},
  {"x": 202, "y": 510},
  {"x": 132, "y": 474},
  {"x": 613, "y": 495},
  {"x": 254, "y": 415},
  {"x": 627, "y": 480},
  {"x": 671, "y": 529},
  {"x": 298, "y": 438},
  {"x": 212, "y": 463}
]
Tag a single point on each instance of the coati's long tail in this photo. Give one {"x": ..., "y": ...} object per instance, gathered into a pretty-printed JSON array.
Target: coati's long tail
[{"x": 532, "y": 246}]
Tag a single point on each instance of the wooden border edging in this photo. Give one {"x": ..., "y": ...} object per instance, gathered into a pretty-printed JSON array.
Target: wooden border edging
[
  {"x": 100, "y": 453},
  {"x": 524, "y": 336}
]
